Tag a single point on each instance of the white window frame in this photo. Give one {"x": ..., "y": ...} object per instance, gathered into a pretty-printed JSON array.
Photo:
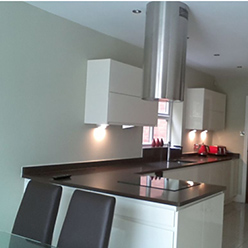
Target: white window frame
[{"x": 166, "y": 117}]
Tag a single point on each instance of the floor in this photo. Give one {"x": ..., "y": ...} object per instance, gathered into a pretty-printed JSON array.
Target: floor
[{"x": 235, "y": 229}]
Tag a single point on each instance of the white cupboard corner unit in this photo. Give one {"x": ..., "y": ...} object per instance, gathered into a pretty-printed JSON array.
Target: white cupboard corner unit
[
  {"x": 205, "y": 109},
  {"x": 113, "y": 95}
]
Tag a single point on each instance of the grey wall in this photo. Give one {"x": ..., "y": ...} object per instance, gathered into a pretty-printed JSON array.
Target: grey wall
[
  {"x": 42, "y": 84},
  {"x": 236, "y": 91}
]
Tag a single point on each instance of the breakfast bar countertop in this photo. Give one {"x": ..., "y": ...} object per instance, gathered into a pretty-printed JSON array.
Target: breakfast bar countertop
[{"x": 114, "y": 177}]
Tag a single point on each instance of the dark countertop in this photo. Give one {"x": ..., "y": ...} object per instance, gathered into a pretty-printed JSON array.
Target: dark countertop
[
  {"x": 194, "y": 159},
  {"x": 107, "y": 177}
]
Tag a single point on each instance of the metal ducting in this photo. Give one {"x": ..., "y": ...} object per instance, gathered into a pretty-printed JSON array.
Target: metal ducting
[{"x": 165, "y": 51}]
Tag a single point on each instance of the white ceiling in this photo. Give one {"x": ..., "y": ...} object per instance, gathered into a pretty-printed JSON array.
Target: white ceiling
[{"x": 215, "y": 27}]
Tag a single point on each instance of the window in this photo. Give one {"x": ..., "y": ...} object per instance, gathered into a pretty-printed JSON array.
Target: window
[{"x": 161, "y": 130}]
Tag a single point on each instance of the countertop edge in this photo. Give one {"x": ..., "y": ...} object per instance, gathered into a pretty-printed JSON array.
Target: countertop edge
[
  {"x": 79, "y": 166},
  {"x": 88, "y": 170},
  {"x": 214, "y": 190}
]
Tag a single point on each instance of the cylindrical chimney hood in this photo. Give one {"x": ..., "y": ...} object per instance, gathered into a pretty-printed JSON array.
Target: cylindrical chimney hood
[{"x": 165, "y": 51}]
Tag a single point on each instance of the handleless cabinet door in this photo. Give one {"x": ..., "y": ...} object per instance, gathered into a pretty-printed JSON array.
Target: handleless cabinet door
[
  {"x": 113, "y": 95},
  {"x": 125, "y": 79},
  {"x": 124, "y": 109},
  {"x": 205, "y": 109},
  {"x": 204, "y": 222}
]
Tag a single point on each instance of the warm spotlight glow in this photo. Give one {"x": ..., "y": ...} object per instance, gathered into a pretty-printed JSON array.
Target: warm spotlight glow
[
  {"x": 100, "y": 132},
  {"x": 204, "y": 135},
  {"x": 192, "y": 135},
  {"x": 190, "y": 183}
]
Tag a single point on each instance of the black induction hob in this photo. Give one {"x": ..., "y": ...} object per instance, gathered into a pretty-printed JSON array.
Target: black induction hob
[{"x": 160, "y": 183}]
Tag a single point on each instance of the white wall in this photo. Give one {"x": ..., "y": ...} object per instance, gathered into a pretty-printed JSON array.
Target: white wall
[
  {"x": 42, "y": 93},
  {"x": 236, "y": 91}
]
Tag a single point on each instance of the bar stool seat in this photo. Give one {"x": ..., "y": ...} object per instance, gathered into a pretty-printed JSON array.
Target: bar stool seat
[
  {"x": 88, "y": 221},
  {"x": 38, "y": 210}
]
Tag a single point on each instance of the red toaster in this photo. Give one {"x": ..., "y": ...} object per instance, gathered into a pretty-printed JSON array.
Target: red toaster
[{"x": 217, "y": 150}]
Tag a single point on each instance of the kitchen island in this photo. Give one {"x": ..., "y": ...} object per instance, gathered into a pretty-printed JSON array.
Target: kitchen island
[{"x": 146, "y": 213}]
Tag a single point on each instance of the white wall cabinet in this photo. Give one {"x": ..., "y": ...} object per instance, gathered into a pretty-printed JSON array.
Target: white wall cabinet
[
  {"x": 220, "y": 173},
  {"x": 113, "y": 95},
  {"x": 205, "y": 109}
]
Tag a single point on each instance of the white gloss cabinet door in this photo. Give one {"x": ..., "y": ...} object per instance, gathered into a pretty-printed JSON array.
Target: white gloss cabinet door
[
  {"x": 234, "y": 178},
  {"x": 215, "y": 106},
  {"x": 190, "y": 227},
  {"x": 142, "y": 224},
  {"x": 213, "y": 222},
  {"x": 131, "y": 234},
  {"x": 113, "y": 95},
  {"x": 122, "y": 109},
  {"x": 205, "y": 109},
  {"x": 194, "y": 109},
  {"x": 188, "y": 174},
  {"x": 201, "y": 225},
  {"x": 125, "y": 79}
]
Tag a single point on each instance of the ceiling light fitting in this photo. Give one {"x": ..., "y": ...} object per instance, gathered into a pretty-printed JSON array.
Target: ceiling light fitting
[
  {"x": 136, "y": 11},
  {"x": 165, "y": 50},
  {"x": 216, "y": 54},
  {"x": 239, "y": 66}
]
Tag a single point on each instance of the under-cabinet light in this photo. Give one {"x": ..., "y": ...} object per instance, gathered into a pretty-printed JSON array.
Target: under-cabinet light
[
  {"x": 190, "y": 183},
  {"x": 127, "y": 126},
  {"x": 192, "y": 134},
  {"x": 204, "y": 135},
  {"x": 100, "y": 132}
]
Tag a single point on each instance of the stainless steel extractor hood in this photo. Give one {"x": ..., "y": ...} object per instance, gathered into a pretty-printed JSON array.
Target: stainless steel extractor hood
[{"x": 165, "y": 51}]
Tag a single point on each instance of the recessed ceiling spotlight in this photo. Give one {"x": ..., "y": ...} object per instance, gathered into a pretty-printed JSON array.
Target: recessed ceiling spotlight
[
  {"x": 216, "y": 54},
  {"x": 239, "y": 66},
  {"x": 136, "y": 11}
]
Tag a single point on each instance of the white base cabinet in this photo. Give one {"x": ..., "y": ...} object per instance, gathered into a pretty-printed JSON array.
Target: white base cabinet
[
  {"x": 144, "y": 224},
  {"x": 224, "y": 173}
]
